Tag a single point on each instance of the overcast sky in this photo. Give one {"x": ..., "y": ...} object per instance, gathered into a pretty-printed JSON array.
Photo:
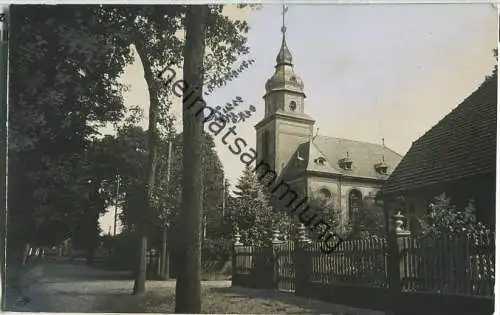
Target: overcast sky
[{"x": 370, "y": 71}]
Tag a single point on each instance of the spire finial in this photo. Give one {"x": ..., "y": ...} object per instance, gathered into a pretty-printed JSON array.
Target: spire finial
[
  {"x": 284, "y": 56},
  {"x": 383, "y": 142},
  {"x": 283, "y": 13}
]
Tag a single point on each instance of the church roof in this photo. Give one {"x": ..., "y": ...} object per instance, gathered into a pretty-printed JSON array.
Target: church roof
[
  {"x": 462, "y": 144},
  {"x": 325, "y": 154}
]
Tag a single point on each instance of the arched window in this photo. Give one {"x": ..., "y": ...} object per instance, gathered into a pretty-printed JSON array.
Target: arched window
[
  {"x": 355, "y": 200},
  {"x": 325, "y": 194}
]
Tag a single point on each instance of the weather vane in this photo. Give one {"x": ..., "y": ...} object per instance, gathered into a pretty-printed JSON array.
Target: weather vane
[{"x": 283, "y": 12}]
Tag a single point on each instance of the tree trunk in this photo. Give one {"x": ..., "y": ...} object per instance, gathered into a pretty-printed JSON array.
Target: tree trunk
[
  {"x": 140, "y": 274},
  {"x": 188, "y": 284},
  {"x": 4, "y": 109},
  {"x": 145, "y": 222},
  {"x": 164, "y": 256}
]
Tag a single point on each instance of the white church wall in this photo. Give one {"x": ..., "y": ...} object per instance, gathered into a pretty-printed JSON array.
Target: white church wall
[{"x": 340, "y": 191}]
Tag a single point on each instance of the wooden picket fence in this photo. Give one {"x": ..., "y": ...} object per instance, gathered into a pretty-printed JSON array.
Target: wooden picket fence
[
  {"x": 360, "y": 262},
  {"x": 451, "y": 265},
  {"x": 448, "y": 265}
]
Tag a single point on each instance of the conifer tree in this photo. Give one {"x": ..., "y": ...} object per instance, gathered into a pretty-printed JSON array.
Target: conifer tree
[{"x": 252, "y": 212}]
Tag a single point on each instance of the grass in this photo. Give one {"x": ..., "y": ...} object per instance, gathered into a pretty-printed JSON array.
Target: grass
[{"x": 227, "y": 300}]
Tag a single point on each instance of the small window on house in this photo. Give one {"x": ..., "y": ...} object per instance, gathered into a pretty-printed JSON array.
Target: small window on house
[
  {"x": 381, "y": 168},
  {"x": 346, "y": 163},
  {"x": 293, "y": 106},
  {"x": 320, "y": 161}
]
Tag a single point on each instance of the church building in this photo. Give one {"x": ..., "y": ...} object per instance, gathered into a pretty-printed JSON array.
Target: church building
[{"x": 342, "y": 172}]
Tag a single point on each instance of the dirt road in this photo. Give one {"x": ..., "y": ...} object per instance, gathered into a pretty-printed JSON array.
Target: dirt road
[{"x": 63, "y": 286}]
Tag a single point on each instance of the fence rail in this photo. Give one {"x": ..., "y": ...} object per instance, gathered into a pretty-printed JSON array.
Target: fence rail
[
  {"x": 451, "y": 265},
  {"x": 361, "y": 262},
  {"x": 447, "y": 265}
]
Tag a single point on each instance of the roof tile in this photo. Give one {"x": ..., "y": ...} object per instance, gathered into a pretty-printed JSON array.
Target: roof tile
[{"x": 462, "y": 144}]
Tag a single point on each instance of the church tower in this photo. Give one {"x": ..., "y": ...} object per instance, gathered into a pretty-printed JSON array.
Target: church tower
[{"x": 285, "y": 125}]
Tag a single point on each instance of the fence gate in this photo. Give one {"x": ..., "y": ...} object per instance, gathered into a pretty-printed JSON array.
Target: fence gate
[{"x": 285, "y": 268}]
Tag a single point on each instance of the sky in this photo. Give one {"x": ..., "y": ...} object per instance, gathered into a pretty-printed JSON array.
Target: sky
[{"x": 370, "y": 71}]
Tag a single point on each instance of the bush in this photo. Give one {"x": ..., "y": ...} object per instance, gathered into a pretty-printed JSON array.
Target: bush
[
  {"x": 215, "y": 253},
  {"x": 445, "y": 219}
]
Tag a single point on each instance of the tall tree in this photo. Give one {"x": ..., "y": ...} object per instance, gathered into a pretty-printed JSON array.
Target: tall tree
[
  {"x": 153, "y": 31},
  {"x": 188, "y": 284},
  {"x": 252, "y": 212},
  {"x": 63, "y": 86}
]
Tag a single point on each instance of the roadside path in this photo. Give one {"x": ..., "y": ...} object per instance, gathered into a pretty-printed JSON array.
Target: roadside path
[{"x": 63, "y": 286}]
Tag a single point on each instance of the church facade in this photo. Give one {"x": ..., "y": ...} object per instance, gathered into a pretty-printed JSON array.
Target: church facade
[{"x": 342, "y": 172}]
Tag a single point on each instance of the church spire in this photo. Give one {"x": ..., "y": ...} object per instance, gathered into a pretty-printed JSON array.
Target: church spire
[
  {"x": 284, "y": 78},
  {"x": 284, "y": 56}
]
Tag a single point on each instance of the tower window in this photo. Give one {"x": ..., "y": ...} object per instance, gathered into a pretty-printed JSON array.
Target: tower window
[{"x": 293, "y": 105}]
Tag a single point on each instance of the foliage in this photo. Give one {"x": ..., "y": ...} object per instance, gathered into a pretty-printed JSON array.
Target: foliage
[
  {"x": 329, "y": 213},
  {"x": 445, "y": 219},
  {"x": 445, "y": 227},
  {"x": 67, "y": 60},
  {"x": 368, "y": 221},
  {"x": 129, "y": 160},
  {"x": 251, "y": 212},
  {"x": 215, "y": 251},
  {"x": 63, "y": 88},
  {"x": 154, "y": 32},
  {"x": 213, "y": 181}
]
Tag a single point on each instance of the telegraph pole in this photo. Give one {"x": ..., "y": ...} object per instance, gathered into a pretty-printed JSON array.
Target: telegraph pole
[{"x": 116, "y": 202}]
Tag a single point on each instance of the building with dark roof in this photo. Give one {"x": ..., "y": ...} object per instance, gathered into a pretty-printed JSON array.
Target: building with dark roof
[
  {"x": 457, "y": 156},
  {"x": 340, "y": 171}
]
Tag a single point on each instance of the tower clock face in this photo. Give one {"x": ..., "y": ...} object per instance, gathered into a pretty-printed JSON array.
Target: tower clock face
[{"x": 293, "y": 106}]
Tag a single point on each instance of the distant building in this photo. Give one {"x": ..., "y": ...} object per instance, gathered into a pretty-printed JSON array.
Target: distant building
[
  {"x": 340, "y": 171},
  {"x": 457, "y": 156}
]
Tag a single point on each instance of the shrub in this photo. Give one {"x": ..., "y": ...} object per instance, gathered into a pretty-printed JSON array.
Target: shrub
[
  {"x": 447, "y": 231},
  {"x": 215, "y": 253},
  {"x": 445, "y": 219}
]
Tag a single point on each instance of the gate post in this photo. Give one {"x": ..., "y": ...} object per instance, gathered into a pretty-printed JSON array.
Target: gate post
[
  {"x": 236, "y": 244},
  {"x": 302, "y": 264},
  {"x": 395, "y": 242},
  {"x": 275, "y": 242},
  {"x": 401, "y": 238}
]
